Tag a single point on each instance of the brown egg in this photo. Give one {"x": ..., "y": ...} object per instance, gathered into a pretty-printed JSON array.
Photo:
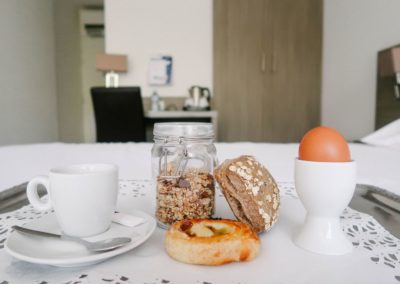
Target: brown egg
[{"x": 324, "y": 144}]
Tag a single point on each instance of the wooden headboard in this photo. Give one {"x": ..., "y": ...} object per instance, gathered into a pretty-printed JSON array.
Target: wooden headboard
[{"x": 387, "y": 101}]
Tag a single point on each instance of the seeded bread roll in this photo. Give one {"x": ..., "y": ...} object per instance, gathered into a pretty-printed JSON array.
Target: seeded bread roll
[
  {"x": 250, "y": 190},
  {"x": 211, "y": 242}
]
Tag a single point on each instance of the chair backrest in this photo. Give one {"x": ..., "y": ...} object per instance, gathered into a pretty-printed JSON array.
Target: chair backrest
[{"x": 118, "y": 114}]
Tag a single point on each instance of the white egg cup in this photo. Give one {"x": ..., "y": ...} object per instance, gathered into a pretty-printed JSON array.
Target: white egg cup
[{"x": 325, "y": 189}]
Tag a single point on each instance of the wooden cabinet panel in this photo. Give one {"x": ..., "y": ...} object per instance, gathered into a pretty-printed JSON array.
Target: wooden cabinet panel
[
  {"x": 296, "y": 68},
  {"x": 238, "y": 46},
  {"x": 267, "y": 65}
]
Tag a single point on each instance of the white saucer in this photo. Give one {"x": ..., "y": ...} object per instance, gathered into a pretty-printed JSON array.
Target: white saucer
[{"x": 69, "y": 254}]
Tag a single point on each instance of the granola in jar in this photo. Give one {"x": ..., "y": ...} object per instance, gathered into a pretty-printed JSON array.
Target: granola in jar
[
  {"x": 191, "y": 196},
  {"x": 183, "y": 160}
]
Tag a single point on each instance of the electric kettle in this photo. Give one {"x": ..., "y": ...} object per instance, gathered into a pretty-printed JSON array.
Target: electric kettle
[{"x": 199, "y": 98}]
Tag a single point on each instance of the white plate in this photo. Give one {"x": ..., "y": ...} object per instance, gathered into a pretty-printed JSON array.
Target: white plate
[{"x": 69, "y": 254}]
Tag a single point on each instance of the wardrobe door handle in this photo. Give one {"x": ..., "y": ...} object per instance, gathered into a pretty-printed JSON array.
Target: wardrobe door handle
[{"x": 263, "y": 64}]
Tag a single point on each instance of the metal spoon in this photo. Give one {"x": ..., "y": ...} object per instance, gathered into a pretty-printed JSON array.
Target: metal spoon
[{"x": 99, "y": 246}]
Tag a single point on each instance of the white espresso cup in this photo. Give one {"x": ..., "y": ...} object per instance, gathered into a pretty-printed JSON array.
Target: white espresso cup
[{"x": 83, "y": 196}]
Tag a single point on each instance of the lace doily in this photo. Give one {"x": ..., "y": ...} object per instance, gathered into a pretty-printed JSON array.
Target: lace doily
[{"x": 364, "y": 231}]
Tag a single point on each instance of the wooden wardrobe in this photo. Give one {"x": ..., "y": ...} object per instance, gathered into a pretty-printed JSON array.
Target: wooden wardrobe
[{"x": 267, "y": 68}]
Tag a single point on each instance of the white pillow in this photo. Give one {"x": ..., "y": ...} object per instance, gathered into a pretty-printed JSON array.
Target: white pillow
[{"x": 389, "y": 136}]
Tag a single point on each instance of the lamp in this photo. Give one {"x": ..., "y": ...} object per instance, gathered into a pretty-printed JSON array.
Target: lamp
[{"x": 112, "y": 64}]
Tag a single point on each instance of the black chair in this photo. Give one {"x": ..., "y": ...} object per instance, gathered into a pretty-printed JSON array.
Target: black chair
[{"x": 118, "y": 114}]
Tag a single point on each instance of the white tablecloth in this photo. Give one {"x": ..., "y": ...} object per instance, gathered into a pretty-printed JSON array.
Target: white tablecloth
[{"x": 374, "y": 260}]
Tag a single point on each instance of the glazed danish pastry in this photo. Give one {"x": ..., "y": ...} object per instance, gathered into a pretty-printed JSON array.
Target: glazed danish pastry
[{"x": 211, "y": 242}]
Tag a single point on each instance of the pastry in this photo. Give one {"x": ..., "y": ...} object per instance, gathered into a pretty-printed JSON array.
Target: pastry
[
  {"x": 250, "y": 190},
  {"x": 211, "y": 242}
]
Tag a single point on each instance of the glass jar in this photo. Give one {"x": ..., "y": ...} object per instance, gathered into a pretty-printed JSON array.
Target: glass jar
[{"x": 183, "y": 160}]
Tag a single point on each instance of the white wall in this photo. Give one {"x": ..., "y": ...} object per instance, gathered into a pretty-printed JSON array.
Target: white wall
[
  {"x": 181, "y": 28},
  {"x": 354, "y": 31},
  {"x": 90, "y": 46},
  {"x": 68, "y": 62},
  {"x": 28, "y": 106}
]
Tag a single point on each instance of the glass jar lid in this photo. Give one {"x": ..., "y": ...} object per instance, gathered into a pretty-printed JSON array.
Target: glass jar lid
[{"x": 185, "y": 130}]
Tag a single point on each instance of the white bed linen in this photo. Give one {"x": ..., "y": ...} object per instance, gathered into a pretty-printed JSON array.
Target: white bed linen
[
  {"x": 377, "y": 166},
  {"x": 387, "y": 136}
]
